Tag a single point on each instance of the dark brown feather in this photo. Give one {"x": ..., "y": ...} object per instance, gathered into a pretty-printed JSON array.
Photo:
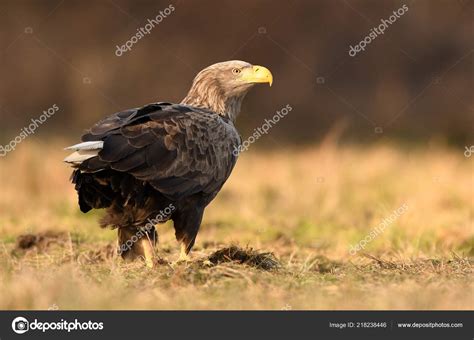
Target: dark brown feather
[{"x": 154, "y": 156}]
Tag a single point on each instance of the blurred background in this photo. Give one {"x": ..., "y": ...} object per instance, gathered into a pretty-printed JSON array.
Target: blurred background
[{"x": 411, "y": 84}]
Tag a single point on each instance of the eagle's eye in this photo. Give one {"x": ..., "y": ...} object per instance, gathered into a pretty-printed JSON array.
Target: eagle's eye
[{"x": 236, "y": 70}]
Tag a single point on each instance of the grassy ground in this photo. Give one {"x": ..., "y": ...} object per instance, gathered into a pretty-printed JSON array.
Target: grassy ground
[{"x": 307, "y": 208}]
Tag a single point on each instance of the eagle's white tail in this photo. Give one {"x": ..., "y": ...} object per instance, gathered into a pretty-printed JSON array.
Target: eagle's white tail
[{"x": 83, "y": 151}]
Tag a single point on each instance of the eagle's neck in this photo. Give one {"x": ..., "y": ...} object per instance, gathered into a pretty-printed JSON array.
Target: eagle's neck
[{"x": 209, "y": 95}]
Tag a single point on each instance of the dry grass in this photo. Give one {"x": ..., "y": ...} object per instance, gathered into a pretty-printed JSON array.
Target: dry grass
[{"x": 277, "y": 237}]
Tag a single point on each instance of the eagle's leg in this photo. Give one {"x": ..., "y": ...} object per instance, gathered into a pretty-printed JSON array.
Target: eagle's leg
[
  {"x": 135, "y": 243},
  {"x": 183, "y": 255},
  {"x": 186, "y": 225}
]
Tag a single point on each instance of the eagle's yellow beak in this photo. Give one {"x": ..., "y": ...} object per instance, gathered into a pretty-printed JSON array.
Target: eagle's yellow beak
[{"x": 257, "y": 74}]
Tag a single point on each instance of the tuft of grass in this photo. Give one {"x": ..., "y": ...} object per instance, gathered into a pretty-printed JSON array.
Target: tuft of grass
[{"x": 248, "y": 256}]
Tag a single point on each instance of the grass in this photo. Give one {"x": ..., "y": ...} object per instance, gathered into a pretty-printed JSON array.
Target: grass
[{"x": 278, "y": 236}]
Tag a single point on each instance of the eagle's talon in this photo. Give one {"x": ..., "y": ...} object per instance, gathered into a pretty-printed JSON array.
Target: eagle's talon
[
  {"x": 183, "y": 258},
  {"x": 149, "y": 263}
]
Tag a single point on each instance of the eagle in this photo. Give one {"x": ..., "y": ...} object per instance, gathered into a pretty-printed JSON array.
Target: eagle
[{"x": 164, "y": 161}]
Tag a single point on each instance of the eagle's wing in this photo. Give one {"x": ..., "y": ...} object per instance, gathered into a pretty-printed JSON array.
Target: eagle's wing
[{"x": 177, "y": 149}]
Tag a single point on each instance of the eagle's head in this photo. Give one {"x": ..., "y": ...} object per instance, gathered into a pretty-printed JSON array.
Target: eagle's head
[{"x": 221, "y": 87}]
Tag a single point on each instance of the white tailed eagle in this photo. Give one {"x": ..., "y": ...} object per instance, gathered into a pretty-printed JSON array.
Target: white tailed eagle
[{"x": 163, "y": 159}]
